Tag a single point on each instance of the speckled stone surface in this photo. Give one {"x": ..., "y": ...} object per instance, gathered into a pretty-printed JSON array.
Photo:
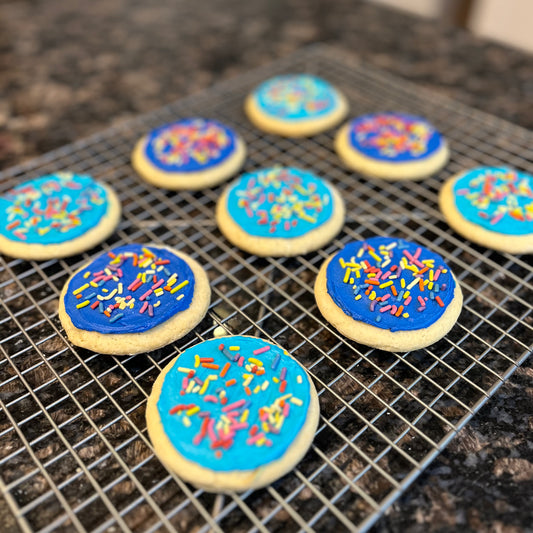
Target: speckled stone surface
[{"x": 68, "y": 70}]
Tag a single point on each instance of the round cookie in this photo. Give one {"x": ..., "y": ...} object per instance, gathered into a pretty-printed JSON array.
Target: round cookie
[
  {"x": 190, "y": 154},
  {"x": 295, "y": 105},
  {"x": 492, "y": 207},
  {"x": 135, "y": 298},
  {"x": 388, "y": 293},
  {"x": 232, "y": 413},
  {"x": 392, "y": 146},
  {"x": 280, "y": 212},
  {"x": 57, "y": 215}
]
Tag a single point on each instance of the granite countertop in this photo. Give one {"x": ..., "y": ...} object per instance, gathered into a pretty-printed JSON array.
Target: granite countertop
[{"x": 68, "y": 71}]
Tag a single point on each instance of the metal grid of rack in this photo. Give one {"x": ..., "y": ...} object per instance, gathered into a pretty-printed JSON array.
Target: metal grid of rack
[{"x": 74, "y": 452}]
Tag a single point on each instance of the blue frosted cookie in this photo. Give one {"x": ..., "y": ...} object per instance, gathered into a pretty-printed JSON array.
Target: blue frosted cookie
[
  {"x": 388, "y": 293},
  {"x": 280, "y": 211},
  {"x": 134, "y": 299},
  {"x": 189, "y": 154},
  {"x": 295, "y": 105},
  {"x": 232, "y": 413},
  {"x": 492, "y": 206},
  {"x": 392, "y": 146},
  {"x": 57, "y": 215}
]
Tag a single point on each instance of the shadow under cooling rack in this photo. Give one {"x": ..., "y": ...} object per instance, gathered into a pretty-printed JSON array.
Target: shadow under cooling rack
[{"x": 74, "y": 453}]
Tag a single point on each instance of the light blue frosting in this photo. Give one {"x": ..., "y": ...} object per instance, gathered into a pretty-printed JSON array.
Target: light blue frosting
[
  {"x": 296, "y": 97},
  {"x": 279, "y": 202},
  {"x": 52, "y": 209},
  {"x": 497, "y": 198},
  {"x": 240, "y": 453}
]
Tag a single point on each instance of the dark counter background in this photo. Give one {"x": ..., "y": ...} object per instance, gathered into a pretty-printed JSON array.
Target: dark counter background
[{"x": 70, "y": 69}]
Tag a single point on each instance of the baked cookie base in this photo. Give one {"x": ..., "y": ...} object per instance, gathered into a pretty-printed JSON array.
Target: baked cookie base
[
  {"x": 146, "y": 341},
  {"x": 413, "y": 170},
  {"x": 513, "y": 244},
  {"x": 99, "y": 233},
  {"x": 238, "y": 480},
  {"x": 278, "y": 246},
  {"x": 294, "y": 128},
  {"x": 190, "y": 181},
  {"x": 384, "y": 339}
]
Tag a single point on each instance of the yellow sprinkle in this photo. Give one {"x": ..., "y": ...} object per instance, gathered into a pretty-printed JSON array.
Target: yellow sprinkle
[
  {"x": 105, "y": 290},
  {"x": 352, "y": 281},
  {"x": 255, "y": 361},
  {"x": 265, "y": 427},
  {"x": 159, "y": 292},
  {"x": 180, "y": 286},
  {"x": 296, "y": 401},
  {"x": 357, "y": 273},
  {"x": 375, "y": 256},
  {"x": 93, "y": 284},
  {"x": 402, "y": 283},
  {"x": 430, "y": 285},
  {"x": 412, "y": 284},
  {"x": 386, "y": 284},
  {"x": 406, "y": 315},
  {"x": 234, "y": 348},
  {"x": 426, "y": 281},
  {"x": 184, "y": 369},
  {"x": 299, "y": 379},
  {"x": 83, "y": 304},
  {"x": 406, "y": 295},
  {"x": 186, "y": 421},
  {"x": 371, "y": 275},
  {"x": 204, "y": 386},
  {"x": 244, "y": 416},
  {"x": 257, "y": 389},
  {"x": 275, "y": 379},
  {"x": 87, "y": 274},
  {"x": 190, "y": 386},
  {"x": 444, "y": 270},
  {"x": 80, "y": 289},
  {"x": 360, "y": 252},
  {"x": 196, "y": 361},
  {"x": 431, "y": 275},
  {"x": 358, "y": 297},
  {"x": 247, "y": 381},
  {"x": 342, "y": 262},
  {"x": 347, "y": 275},
  {"x": 192, "y": 410},
  {"x": 107, "y": 271},
  {"x": 372, "y": 295},
  {"x": 265, "y": 384},
  {"x": 213, "y": 377}
]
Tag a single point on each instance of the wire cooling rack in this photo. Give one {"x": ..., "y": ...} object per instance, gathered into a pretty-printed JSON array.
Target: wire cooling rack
[{"x": 74, "y": 452}]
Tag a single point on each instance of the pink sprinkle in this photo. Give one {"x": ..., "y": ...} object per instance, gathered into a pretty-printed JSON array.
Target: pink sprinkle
[
  {"x": 437, "y": 274},
  {"x": 386, "y": 275},
  {"x": 151, "y": 310},
  {"x": 372, "y": 305},
  {"x": 421, "y": 300},
  {"x": 146, "y": 294},
  {"x": 421, "y": 309},
  {"x": 241, "y": 361},
  {"x": 385, "y": 298},
  {"x": 240, "y": 425},
  {"x": 261, "y": 350},
  {"x": 385, "y": 309},
  {"x": 211, "y": 430},
  {"x": 286, "y": 408},
  {"x": 264, "y": 416},
  {"x": 184, "y": 382},
  {"x": 255, "y": 438},
  {"x": 287, "y": 225},
  {"x": 132, "y": 284},
  {"x": 211, "y": 398},
  {"x": 99, "y": 278},
  {"x": 234, "y": 405},
  {"x": 249, "y": 212},
  {"x": 158, "y": 284},
  {"x": 99, "y": 273},
  {"x": 378, "y": 275},
  {"x": 393, "y": 310},
  {"x": 407, "y": 301},
  {"x": 417, "y": 253},
  {"x": 143, "y": 308}
]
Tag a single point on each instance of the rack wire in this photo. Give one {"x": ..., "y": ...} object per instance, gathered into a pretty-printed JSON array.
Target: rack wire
[{"x": 74, "y": 452}]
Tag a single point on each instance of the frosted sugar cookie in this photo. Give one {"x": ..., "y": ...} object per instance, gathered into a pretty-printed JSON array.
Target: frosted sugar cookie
[
  {"x": 134, "y": 299},
  {"x": 388, "y": 293},
  {"x": 295, "y": 105},
  {"x": 57, "y": 215},
  {"x": 189, "y": 154},
  {"x": 232, "y": 413},
  {"x": 392, "y": 146},
  {"x": 280, "y": 211},
  {"x": 492, "y": 207}
]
